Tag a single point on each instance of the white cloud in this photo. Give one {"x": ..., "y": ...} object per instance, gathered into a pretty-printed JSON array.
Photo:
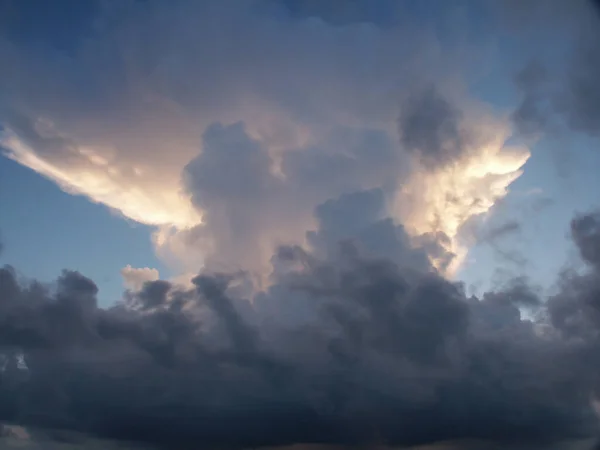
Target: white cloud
[{"x": 134, "y": 278}]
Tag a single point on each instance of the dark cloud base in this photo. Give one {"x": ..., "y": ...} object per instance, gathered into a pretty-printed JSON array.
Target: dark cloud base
[{"x": 345, "y": 348}]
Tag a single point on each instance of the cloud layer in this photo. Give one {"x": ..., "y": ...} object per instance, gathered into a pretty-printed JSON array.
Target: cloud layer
[
  {"x": 358, "y": 341},
  {"x": 314, "y": 166}
]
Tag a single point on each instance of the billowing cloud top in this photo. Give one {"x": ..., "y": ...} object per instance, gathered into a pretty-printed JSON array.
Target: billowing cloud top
[{"x": 227, "y": 136}]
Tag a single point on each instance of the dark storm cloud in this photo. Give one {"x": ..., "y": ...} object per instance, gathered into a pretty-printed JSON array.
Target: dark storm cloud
[
  {"x": 357, "y": 339},
  {"x": 576, "y": 309},
  {"x": 341, "y": 348},
  {"x": 152, "y": 295},
  {"x": 581, "y": 102},
  {"x": 564, "y": 89},
  {"x": 531, "y": 115},
  {"x": 429, "y": 127},
  {"x": 586, "y": 233}
]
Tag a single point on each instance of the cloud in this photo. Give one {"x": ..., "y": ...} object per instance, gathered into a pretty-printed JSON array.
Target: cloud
[
  {"x": 531, "y": 115},
  {"x": 119, "y": 119},
  {"x": 315, "y": 165},
  {"x": 574, "y": 310},
  {"x": 586, "y": 231},
  {"x": 429, "y": 127},
  {"x": 249, "y": 208},
  {"x": 343, "y": 346},
  {"x": 559, "y": 91},
  {"x": 134, "y": 278},
  {"x": 226, "y": 138}
]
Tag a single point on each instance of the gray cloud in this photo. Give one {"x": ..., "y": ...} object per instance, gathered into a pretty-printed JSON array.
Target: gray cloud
[
  {"x": 253, "y": 200},
  {"x": 582, "y": 99},
  {"x": 531, "y": 116},
  {"x": 562, "y": 89},
  {"x": 249, "y": 209},
  {"x": 429, "y": 127},
  {"x": 355, "y": 338},
  {"x": 341, "y": 348},
  {"x": 586, "y": 231},
  {"x": 575, "y": 309}
]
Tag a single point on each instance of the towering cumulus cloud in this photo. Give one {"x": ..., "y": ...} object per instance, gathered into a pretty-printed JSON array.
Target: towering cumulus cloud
[{"x": 226, "y": 137}]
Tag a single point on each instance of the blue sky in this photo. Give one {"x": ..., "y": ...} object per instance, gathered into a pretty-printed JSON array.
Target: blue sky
[{"x": 46, "y": 229}]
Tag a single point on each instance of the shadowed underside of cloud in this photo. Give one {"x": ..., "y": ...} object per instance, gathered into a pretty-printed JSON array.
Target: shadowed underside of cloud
[{"x": 357, "y": 341}]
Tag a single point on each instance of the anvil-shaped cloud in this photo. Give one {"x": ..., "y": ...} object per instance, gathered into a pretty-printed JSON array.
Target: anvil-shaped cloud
[{"x": 148, "y": 98}]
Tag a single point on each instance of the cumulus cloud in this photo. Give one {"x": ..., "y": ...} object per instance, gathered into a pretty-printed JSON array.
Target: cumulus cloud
[
  {"x": 573, "y": 310},
  {"x": 430, "y": 126},
  {"x": 249, "y": 210},
  {"x": 444, "y": 198},
  {"x": 134, "y": 278},
  {"x": 226, "y": 138},
  {"x": 356, "y": 343}
]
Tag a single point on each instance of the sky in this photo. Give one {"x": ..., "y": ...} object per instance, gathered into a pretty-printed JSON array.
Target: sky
[{"x": 335, "y": 215}]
